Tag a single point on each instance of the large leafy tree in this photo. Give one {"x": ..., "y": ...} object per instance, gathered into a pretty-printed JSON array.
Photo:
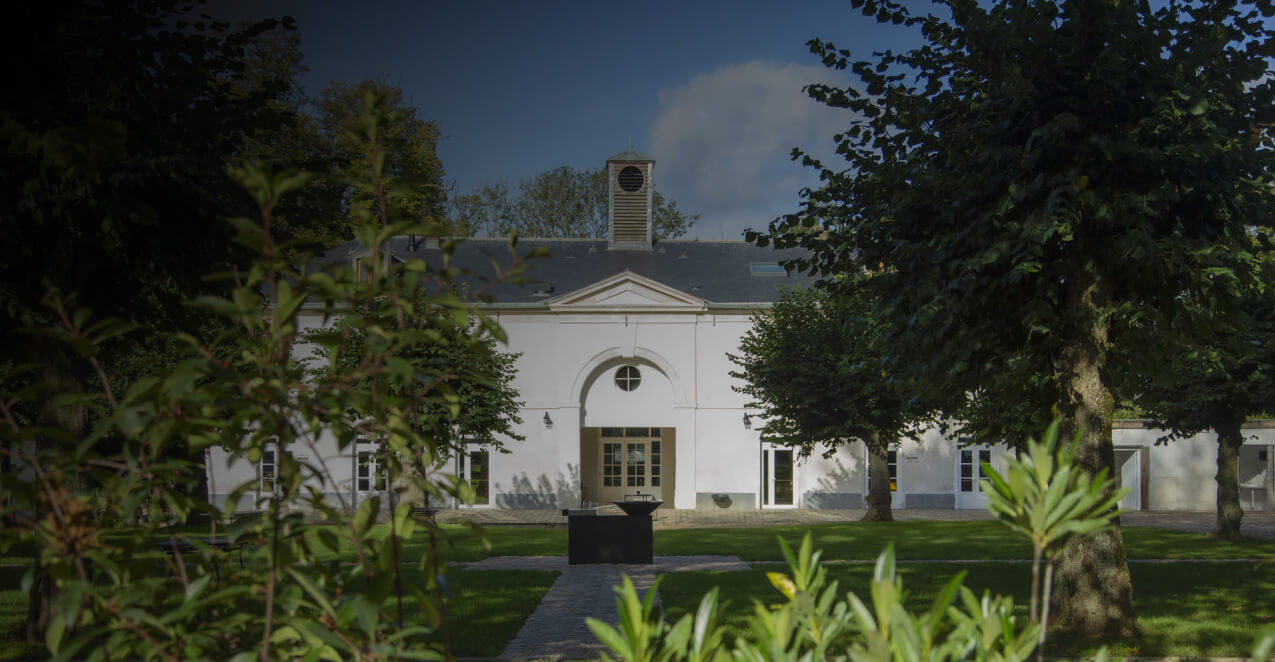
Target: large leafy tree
[
  {"x": 561, "y": 202},
  {"x": 815, "y": 366},
  {"x": 1030, "y": 179},
  {"x": 1216, "y": 383}
]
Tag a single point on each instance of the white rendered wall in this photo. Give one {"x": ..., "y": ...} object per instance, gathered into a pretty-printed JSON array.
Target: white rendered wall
[
  {"x": 1181, "y": 475},
  {"x": 566, "y": 370}
]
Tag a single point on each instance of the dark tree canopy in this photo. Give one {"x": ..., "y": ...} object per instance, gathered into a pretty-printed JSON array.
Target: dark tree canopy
[
  {"x": 1031, "y": 180},
  {"x": 814, "y": 365},
  {"x": 413, "y": 168},
  {"x": 117, "y": 129}
]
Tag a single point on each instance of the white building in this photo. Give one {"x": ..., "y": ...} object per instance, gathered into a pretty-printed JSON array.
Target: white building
[{"x": 626, "y": 386}]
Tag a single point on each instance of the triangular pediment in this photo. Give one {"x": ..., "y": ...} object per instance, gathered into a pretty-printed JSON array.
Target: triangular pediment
[{"x": 627, "y": 291}]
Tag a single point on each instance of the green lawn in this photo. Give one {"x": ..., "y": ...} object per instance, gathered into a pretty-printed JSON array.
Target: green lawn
[
  {"x": 1188, "y": 609},
  {"x": 981, "y": 540},
  {"x": 1195, "y": 608}
]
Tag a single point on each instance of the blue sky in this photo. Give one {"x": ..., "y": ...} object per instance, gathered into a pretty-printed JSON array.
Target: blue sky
[{"x": 710, "y": 89}]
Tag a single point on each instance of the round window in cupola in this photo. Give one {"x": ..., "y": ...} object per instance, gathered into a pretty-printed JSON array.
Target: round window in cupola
[{"x": 630, "y": 178}]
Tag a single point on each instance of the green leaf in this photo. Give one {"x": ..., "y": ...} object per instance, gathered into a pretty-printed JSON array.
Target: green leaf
[{"x": 53, "y": 635}]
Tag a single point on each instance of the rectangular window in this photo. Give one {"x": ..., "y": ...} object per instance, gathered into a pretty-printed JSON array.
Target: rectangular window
[
  {"x": 783, "y": 478},
  {"x": 765, "y": 477},
  {"x": 267, "y": 472},
  {"x": 636, "y": 466},
  {"x": 611, "y": 463},
  {"x": 478, "y": 472},
  {"x": 767, "y": 269},
  {"x": 892, "y": 461},
  {"x": 971, "y": 468},
  {"x": 371, "y": 476},
  {"x": 655, "y": 464}
]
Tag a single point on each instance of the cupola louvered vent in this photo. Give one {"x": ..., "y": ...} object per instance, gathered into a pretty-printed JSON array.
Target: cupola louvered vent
[{"x": 629, "y": 208}]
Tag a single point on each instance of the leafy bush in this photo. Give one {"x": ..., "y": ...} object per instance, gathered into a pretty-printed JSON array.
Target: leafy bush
[
  {"x": 816, "y": 623},
  {"x": 119, "y": 598},
  {"x": 1041, "y": 497}
]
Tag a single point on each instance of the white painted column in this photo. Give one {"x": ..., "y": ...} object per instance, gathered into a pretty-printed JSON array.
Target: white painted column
[
  {"x": 684, "y": 494},
  {"x": 566, "y": 425}
]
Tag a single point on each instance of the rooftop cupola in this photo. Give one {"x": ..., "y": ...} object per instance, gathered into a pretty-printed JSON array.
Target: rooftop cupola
[{"x": 629, "y": 199}]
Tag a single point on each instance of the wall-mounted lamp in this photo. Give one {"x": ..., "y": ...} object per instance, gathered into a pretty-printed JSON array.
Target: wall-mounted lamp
[
  {"x": 748, "y": 422},
  {"x": 548, "y": 421}
]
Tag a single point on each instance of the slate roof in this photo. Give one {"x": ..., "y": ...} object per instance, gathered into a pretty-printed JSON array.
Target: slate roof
[{"x": 720, "y": 272}]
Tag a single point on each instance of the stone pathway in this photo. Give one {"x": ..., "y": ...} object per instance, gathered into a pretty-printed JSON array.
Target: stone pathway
[{"x": 556, "y": 630}]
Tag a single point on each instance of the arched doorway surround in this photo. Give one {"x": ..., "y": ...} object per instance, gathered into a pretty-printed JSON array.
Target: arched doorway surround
[{"x": 628, "y": 425}]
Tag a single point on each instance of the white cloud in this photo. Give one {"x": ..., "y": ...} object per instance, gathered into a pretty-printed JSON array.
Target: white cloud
[{"x": 722, "y": 143}]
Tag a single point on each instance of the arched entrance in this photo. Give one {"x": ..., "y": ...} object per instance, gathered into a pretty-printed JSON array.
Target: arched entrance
[{"x": 628, "y": 435}]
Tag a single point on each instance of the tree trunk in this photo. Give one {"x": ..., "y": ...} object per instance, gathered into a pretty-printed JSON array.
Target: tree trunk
[
  {"x": 1229, "y": 439},
  {"x": 878, "y": 483},
  {"x": 1094, "y": 593}
]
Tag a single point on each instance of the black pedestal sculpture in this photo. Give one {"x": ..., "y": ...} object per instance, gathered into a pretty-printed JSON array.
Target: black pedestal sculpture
[{"x": 594, "y": 538}]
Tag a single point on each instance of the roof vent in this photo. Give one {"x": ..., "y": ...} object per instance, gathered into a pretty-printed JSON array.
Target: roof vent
[{"x": 629, "y": 199}]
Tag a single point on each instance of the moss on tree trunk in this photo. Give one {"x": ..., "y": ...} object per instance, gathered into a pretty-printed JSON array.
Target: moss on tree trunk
[
  {"x": 878, "y": 483},
  {"x": 1229, "y": 439}
]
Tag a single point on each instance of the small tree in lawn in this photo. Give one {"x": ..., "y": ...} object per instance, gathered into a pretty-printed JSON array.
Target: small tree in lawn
[
  {"x": 1034, "y": 178},
  {"x": 1216, "y": 383},
  {"x": 815, "y": 366}
]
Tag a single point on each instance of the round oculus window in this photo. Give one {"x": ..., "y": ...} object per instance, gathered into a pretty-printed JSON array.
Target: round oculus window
[
  {"x": 628, "y": 378},
  {"x": 630, "y": 178}
]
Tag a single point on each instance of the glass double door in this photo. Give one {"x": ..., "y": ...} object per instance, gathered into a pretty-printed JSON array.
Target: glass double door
[
  {"x": 969, "y": 476},
  {"x": 778, "y": 483},
  {"x": 632, "y": 462}
]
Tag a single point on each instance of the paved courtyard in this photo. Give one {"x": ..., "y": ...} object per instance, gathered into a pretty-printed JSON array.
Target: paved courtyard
[{"x": 557, "y": 630}]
